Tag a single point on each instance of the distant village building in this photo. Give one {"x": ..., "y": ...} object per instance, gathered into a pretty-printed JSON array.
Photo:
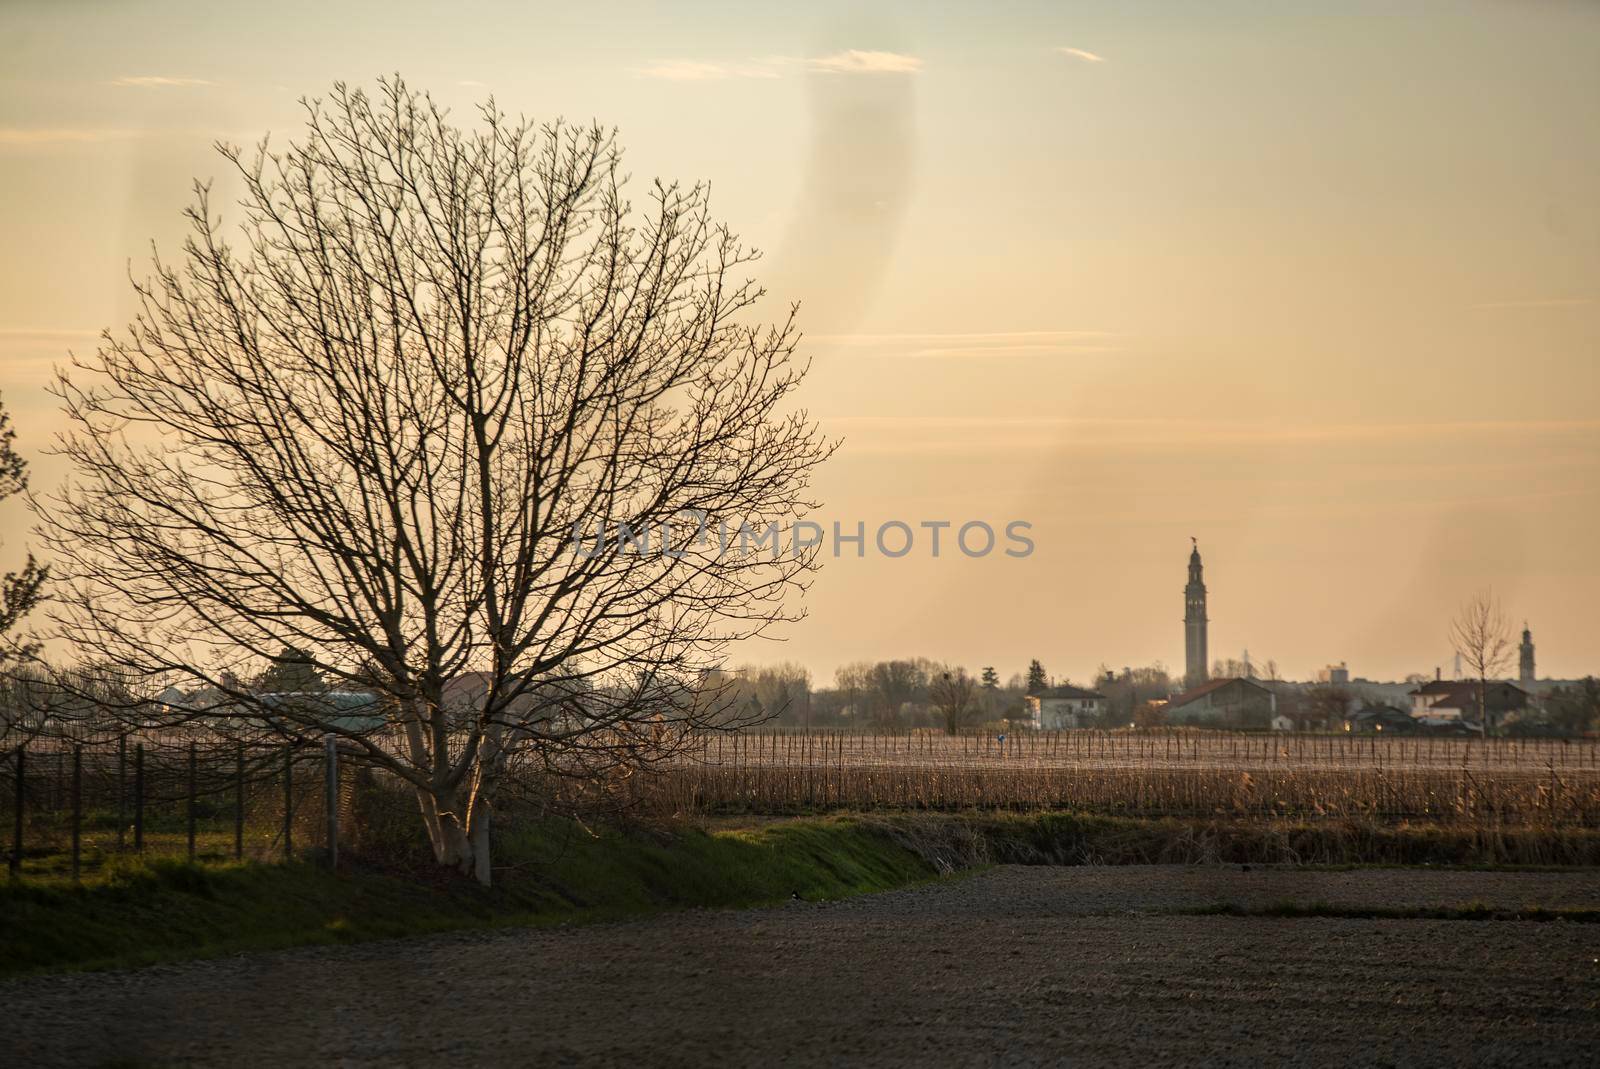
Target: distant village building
[
  {"x": 1445, "y": 701},
  {"x": 1380, "y": 720},
  {"x": 1237, "y": 702},
  {"x": 1282, "y": 723},
  {"x": 1335, "y": 675},
  {"x": 1063, "y": 708},
  {"x": 1195, "y": 663}
]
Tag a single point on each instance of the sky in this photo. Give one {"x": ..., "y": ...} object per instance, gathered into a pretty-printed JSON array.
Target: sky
[{"x": 1316, "y": 285}]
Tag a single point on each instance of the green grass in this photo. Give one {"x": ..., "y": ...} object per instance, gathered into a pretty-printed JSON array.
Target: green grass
[
  {"x": 1068, "y": 838},
  {"x": 140, "y": 912},
  {"x": 133, "y": 912}
]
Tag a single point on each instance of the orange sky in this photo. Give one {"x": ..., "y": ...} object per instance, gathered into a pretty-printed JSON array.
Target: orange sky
[{"x": 1322, "y": 290}]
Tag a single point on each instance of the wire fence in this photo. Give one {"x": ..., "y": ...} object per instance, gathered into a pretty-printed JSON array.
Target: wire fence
[{"x": 69, "y": 808}]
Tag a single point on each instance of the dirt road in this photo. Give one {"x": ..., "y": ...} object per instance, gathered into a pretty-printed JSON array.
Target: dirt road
[{"x": 1017, "y": 966}]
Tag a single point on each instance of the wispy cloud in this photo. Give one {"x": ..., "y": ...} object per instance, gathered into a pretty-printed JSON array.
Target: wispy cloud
[
  {"x": 1099, "y": 435},
  {"x": 159, "y": 81},
  {"x": 850, "y": 61},
  {"x": 689, "y": 70},
  {"x": 972, "y": 346},
  {"x": 1544, "y": 302},
  {"x": 45, "y": 333},
  {"x": 1079, "y": 53},
  {"x": 856, "y": 61},
  {"x": 470, "y": 83},
  {"x": 998, "y": 336},
  {"x": 29, "y": 136}
]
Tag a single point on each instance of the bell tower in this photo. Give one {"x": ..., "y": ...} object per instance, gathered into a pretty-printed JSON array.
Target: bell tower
[
  {"x": 1194, "y": 623},
  {"x": 1527, "y": 678}
]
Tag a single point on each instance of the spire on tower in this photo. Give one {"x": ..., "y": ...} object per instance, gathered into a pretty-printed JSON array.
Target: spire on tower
[{"x": 1194, "y": 620}]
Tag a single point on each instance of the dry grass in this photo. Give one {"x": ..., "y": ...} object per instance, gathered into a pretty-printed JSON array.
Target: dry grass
[{"x": 1179, "y": 773}]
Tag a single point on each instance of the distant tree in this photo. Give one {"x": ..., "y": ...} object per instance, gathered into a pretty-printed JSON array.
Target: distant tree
[
  {"x": 1575, "y": 708},
  {"x": 989, "y": 696},
  {"x": 1150, "y": 714},
  {"x": 1038, "y": 680},
  {"x": 784, "y": 690},
  {"x": 1481, "y": 636},
  {"x": 1131, "y": 688},
  {"x": 1232, "y": 668},
  {"x": 1328, "y": 704},
  {"x": 292, "y": 672},
  {"x": 894, "y": 684},
  {"x": 951, "y": 692},
  {"x": 19, "y": 591},
  {"x": 853, "y": 682}
]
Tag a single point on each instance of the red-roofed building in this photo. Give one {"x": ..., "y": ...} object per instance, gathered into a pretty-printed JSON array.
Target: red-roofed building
[{"x": 1232, "y": 703}]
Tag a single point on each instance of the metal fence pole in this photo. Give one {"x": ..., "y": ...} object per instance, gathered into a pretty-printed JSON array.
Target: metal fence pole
[
  {"x": 122, "y": 792},
  {"x": 77, "y": 810},
  {"x": 238, "y": 802},
  {"x": 193, "y": 761},
  {"x": 138, "y": 797},
  {"x": 16, "y": 830},
  {"x": 288, "y": 801},
  {"x": 331, "y": 782}
]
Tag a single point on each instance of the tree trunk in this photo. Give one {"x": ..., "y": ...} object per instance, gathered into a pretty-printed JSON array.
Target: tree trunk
[
  {"x": 463, "y": 847},
  {"x": 479, "y": 839}
]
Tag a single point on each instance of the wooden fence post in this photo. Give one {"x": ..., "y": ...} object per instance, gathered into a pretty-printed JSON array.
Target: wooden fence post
[
  {"x": 331, "y": 782},
  {"x": 138, "y": 797},
  {"x": 77, "y": 809},
  {"x": 238, "y": 802},
  {"x": 193, "y": 760},
  {"x": 288, "y": 801},
  {"x": 16, "y": 830},
  {"x": 122, "y": 791}
]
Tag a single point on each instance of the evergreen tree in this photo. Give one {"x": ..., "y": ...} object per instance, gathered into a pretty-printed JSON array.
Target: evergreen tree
[
  {"x": 1037, "y": 680},
  {"x": 991, "y": 678},
  {"x": 291, "y": 672}
]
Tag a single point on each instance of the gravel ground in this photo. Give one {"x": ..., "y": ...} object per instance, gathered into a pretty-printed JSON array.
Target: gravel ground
[{"x": 1017, "y": 966}]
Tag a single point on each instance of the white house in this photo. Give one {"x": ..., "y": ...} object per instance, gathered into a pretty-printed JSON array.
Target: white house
[{"x": 1060, "y": 708}]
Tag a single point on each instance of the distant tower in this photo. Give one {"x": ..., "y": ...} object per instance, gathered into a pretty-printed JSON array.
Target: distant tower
[
  {"x": 1527, "y": 679},
  {"x": 1194, "y": 623}
]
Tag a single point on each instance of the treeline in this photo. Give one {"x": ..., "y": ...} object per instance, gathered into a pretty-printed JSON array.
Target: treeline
[{"x": 918, "y": 693}]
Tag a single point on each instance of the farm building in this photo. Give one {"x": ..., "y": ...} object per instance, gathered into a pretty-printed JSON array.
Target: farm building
[
  {"x": 1234, "y": 703},
  {"x": 1060, "y": 708},
  {"x": 1380, "y": 719},
  {"x": 1457, "y": 699}
]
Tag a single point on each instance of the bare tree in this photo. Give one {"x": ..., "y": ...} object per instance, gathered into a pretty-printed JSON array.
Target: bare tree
[
  {"x": 19, "y": 591},
  {"x": 953, "y": 695},
  {"x": 1481, "y": 636},
  {"x": 392, "y": 429},
  {"x": 894, "y": 683}
]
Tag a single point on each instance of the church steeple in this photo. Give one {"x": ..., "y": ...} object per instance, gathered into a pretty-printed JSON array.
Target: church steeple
[
  {"x": 1194, "y": 622},
  {"x": 1527, "y": 678}
]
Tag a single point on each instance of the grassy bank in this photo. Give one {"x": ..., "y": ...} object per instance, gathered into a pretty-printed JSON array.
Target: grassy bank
[
  {"x": 135, "y": 913},
  {"x": 959, "y": 840}
]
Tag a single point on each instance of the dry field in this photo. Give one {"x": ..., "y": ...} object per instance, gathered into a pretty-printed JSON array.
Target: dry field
[
  {"x": 1177, "y": 773},
  {"x": 1016, "y": 966}
]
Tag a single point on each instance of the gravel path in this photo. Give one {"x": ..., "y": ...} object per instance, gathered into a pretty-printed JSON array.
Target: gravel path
[{"x": 1018, "y": 966}]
